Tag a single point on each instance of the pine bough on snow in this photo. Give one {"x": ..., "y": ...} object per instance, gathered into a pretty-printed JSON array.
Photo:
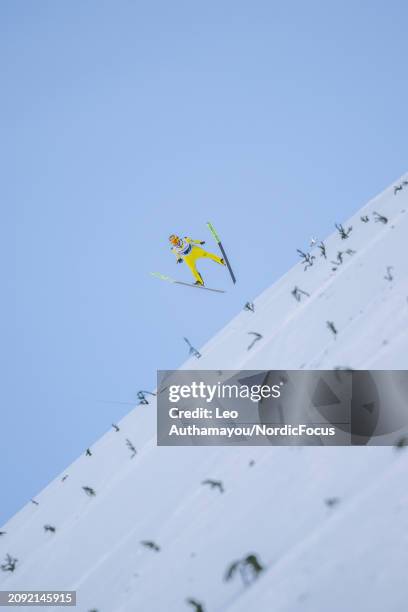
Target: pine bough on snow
[
  {"x": 192, "y": 351},
  {"x": 150, "y": 544},
  {"x": 400, "y": 187},
  {"x": 307, "y": 259},
  {"x": 389, "y": 276},
  {"x": 141, "y": 395},
  {"x": 340, "y": 254},
  {"x": 10, "y": 564},
  {"x": 249, "y": 568},
  {"x": 198, "y": 607},
  {"x": 332, "y": 327},
  {"x": 331, "y": 502},
  {"x": 322, "y": 249},
  {"x": 297, "y": 294},
  {"x": 214, "y": 484},
  {"x": 257, "y": 337},
  {"x": 344, "y": 234},
  {"x": 131, "y": 447},
  {"x": 89, "y": 491},
  {"x": 380, "y": 218}
]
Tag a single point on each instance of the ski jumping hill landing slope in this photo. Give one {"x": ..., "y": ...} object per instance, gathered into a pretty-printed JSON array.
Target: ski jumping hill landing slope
[{"x": 328, "y": 525}]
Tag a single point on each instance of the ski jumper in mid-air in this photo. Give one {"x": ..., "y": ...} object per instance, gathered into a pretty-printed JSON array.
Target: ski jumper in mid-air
[{"x": 187, "y": 250}]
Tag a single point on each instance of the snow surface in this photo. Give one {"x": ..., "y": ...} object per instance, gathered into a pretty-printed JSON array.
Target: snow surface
[{"x": 352, "y": 556}]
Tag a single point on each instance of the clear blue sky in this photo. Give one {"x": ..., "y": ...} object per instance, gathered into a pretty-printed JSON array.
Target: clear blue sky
[{"x": 125, "y": 121}]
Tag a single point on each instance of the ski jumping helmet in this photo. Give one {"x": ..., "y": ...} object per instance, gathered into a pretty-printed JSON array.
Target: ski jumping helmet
[{"x": 174, "y": 239}]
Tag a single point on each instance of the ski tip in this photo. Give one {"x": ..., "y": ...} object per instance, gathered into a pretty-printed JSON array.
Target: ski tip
[{"x": 161, "y": 276}]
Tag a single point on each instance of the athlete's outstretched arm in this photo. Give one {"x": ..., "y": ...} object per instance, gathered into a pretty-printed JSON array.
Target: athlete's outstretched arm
[{"x": 191, "y": 241}]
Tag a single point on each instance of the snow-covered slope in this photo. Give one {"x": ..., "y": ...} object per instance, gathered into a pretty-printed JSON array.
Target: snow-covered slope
[{"x": 351, "y": 555}]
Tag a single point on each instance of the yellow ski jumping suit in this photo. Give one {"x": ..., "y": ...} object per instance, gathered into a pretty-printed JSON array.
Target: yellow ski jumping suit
[{"x": 189, "y": 252}]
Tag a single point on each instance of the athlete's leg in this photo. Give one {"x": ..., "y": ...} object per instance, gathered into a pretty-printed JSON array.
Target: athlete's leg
[
  {"x": 215, "y": 258},
  {"x": 198, "y": 252},
  {"x": 191, "y": 265}
]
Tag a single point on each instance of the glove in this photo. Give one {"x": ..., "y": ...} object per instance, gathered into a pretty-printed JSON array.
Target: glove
[
  {"x": 202, "y": 242},
  {"x": 179, "y": 260}
]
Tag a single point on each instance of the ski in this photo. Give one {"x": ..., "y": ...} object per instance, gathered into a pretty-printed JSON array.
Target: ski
[
  {"x": 176, "y": 282},
  {"x": 218, "y": 241}
]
